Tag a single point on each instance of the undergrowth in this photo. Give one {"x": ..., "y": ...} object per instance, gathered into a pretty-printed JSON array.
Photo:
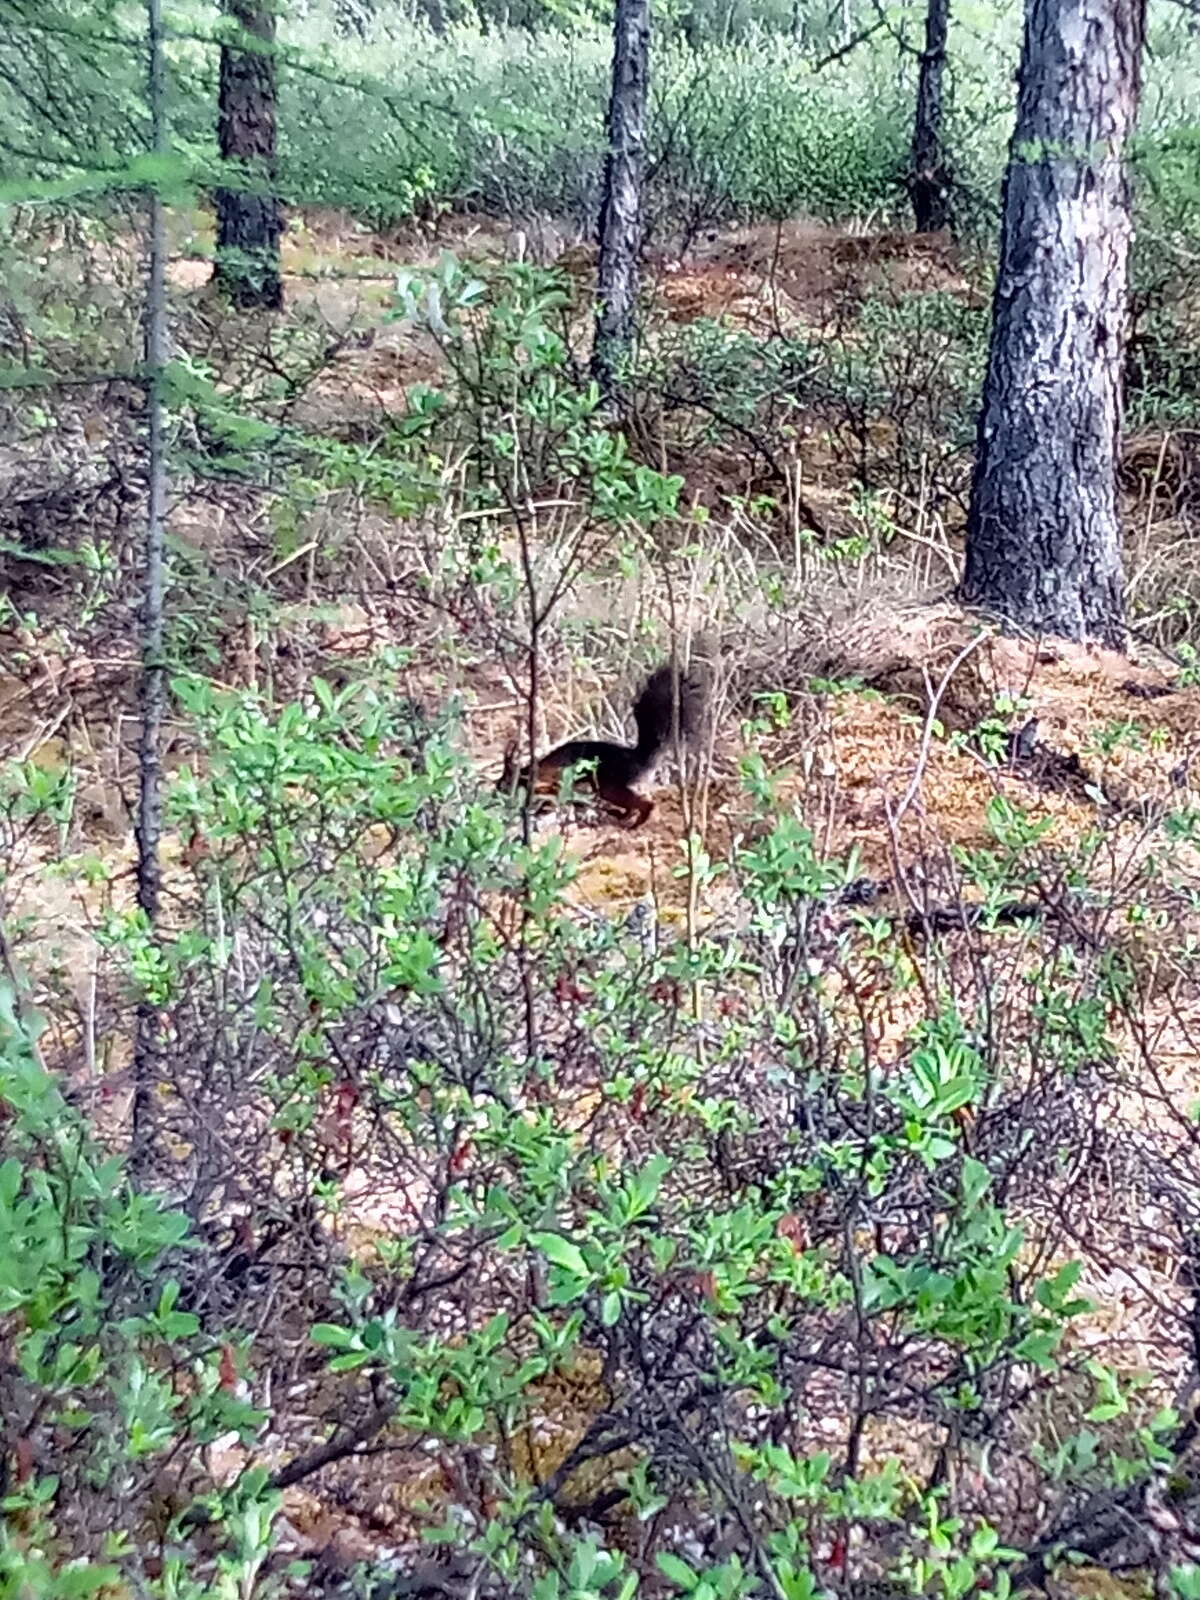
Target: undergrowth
[
  {"x": 753, "y": 1239},
  {"x": 721, "y": 1256}
]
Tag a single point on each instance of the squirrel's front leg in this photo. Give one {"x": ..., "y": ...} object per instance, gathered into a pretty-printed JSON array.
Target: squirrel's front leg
[{"x": 636, "y": 807}]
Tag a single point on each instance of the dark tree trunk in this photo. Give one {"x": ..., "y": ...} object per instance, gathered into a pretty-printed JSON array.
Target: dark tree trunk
[
  {"x": 929, "y": 181},
  {"x": 249, "y": 220},
  {"x": 1043, "y": 537},
  {"x": 621, "y": 207}
]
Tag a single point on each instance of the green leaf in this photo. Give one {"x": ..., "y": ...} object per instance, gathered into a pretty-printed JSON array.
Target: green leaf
[
  {"x": 328, "y": 1333},
  {"x": 348, "y": 1362},
  {"x": 561, "y": 1252},
  {"x": 976, "y": 1181},
  {"x": 678, "y": 1571},
  {"x": 983, "y": 1542},
  {"x": 1038, "y": 1348},
  {"x": 1105, "y": 1412}
]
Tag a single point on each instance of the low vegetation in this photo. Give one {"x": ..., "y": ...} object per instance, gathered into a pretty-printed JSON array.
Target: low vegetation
[{"x": 796, "y": 1196}]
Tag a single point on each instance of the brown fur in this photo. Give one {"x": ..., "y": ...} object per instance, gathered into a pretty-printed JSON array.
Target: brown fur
[{"x": 617, "y": 768}]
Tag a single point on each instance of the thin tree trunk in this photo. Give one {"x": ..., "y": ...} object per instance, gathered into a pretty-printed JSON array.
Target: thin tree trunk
[
  {"x": 153, "y": 688},
  {"x": 621, "y": 207},
  {"x": 249, "y": 221},
  {"x": 1043, "y": 537},
  {"x": 929, "y": 181}
]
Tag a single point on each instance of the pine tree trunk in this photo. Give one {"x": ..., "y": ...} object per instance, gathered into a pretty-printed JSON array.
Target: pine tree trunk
[
  {"x": 1043, "y": 537},
  {"x": 621, "y": 207},
  {"x": 249, "y": 221},
  {"x": 929, "y": 182}
]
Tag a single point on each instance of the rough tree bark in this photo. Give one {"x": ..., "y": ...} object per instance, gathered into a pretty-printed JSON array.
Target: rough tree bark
[
  {"x": 929, "y": 179},
  {"x": 621, "y": 208},
  {"x": 1043, "y": 538},
  {"x": 249, "y": 219}
]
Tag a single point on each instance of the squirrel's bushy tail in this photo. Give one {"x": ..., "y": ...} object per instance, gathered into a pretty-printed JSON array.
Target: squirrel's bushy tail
[{"x": 655, "y": 707}]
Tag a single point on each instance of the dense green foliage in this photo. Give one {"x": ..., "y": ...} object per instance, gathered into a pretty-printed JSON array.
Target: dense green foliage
[
  {"x": 742, "y": 1243},
  {"x": 746, "y": 121}
]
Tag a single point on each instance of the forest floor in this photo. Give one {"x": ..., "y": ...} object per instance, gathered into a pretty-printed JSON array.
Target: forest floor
[
  {"x": 874, "y": 766},
  {"x": 1106, "y": 724}
]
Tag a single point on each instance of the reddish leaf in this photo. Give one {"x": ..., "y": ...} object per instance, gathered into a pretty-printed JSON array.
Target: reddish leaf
[
  {"x": 345, "y": 1100},
  {"x": 791, "y": 1228},
  {"x": 838, "y": 1550},
  {"x": 567, "y": 992}
]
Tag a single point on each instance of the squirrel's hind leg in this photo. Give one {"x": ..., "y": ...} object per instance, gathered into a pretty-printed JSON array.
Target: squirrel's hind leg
[{"x": 636, "y": 807}]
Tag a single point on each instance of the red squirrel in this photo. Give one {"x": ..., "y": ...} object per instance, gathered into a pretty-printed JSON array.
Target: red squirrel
[{"x": 616, "y": 768}]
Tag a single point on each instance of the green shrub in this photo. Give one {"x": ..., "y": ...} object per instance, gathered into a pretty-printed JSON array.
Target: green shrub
[
  {"x": 617, "y": 1179},
  {"x": 108, "y": 1379}
]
